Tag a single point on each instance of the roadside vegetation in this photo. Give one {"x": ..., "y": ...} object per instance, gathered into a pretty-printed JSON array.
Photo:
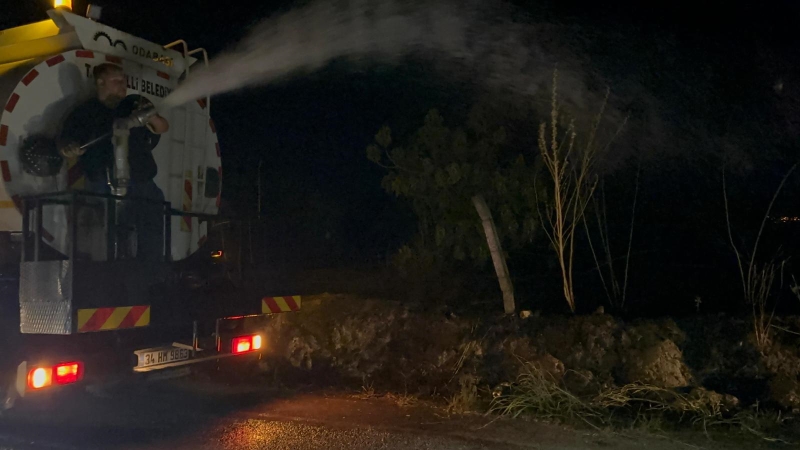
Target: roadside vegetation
[{"x": 650, "y": 290}]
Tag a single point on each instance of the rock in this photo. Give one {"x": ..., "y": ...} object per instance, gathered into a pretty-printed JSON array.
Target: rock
[
  {"x": 513, "y": 353},
  {"x": 550, "y": 365},
  {"x": 300, "y": 351},
  {"x": 785, "y": 390},
  {"x": 781, "y": 360},
  {"x": 660, "y": 365},
  {"x": 501, "y": 389},
  {"x": 600, "y": 311},
  {"x": 585, "y": 343},
  {"x": 669, "y": 329},
  {"x": 525, "y": 314}
]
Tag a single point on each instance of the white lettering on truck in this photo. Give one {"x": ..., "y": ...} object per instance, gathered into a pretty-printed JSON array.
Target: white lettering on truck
[{"x": 147, "y": 87}]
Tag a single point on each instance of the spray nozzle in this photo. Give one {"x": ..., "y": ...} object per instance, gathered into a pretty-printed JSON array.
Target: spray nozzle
[{"x": 139, "y": 118}]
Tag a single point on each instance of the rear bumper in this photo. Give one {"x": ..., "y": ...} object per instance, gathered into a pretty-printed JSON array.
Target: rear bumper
[
  {"x": 199, "y": 359},
  {"x": 120, "y": 365},
  {"x": 112, "y": 358},
  {"x": 19, "y": 391}
]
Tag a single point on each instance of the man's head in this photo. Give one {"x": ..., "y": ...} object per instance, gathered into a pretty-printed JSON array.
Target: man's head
[{"x": 111, "y": 85}]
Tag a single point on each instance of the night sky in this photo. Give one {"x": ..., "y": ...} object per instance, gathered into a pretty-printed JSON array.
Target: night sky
[{"x": 311, "y": 131}]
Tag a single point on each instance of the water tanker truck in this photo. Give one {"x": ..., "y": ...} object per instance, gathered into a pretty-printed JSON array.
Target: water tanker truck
[{"x": 77, "y": 307}]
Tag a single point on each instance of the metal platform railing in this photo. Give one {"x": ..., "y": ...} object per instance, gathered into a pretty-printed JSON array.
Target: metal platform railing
[{"x": 33, "y": 232}]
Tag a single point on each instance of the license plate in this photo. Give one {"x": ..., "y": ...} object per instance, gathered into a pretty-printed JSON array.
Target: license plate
[{"x": 162, "y": 356}]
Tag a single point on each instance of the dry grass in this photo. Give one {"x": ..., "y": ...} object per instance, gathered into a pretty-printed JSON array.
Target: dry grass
[
  {"x": 651, "y": 401},
  {"x": 403, "y": 400},
  {"x": 757, "y": 278},
  {"x": 539, "y": 394},
  {"x": 368, "y": 392},
  {"x": 466, "y": 399}
]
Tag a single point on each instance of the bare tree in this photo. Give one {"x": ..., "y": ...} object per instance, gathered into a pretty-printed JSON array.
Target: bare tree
[
  {"x": 571, "y": 167},
  {"x": 757, "y": 278},
  {"x": 616, "y": 289}
]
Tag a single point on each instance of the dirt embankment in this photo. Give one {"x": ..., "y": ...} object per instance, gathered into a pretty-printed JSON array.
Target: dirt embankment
[{"x": 469, "y": 361}]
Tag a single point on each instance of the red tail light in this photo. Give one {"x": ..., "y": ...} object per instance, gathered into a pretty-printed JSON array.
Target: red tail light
[
  {"x": 244, "y": 344},
  {"x": 67, "y": 373},
  {"x": 64, "y": 373}
]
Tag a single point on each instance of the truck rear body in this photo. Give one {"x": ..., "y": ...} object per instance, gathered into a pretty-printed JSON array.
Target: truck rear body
[{"x": 76, "y": 304}]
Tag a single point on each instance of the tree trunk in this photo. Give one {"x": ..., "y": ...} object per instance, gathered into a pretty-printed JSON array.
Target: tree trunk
[{"x": 498, "y": 258}]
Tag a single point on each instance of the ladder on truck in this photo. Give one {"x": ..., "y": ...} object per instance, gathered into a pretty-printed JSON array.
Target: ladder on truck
[{"x": 192, "y": 144}]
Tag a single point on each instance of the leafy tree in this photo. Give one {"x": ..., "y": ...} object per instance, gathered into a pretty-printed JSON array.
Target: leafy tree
[{"x": 440, "y": 169}]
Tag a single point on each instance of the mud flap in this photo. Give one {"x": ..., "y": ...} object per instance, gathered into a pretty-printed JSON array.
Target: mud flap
[
  {"x": 15, "y": 388},
  {"x": 21, "y": 384}
]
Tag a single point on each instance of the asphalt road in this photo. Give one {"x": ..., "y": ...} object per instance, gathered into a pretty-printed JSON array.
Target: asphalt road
[{"x": 192, "y": 414}]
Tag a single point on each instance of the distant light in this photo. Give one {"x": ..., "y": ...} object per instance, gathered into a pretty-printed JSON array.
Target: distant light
[
  {"x": 778, "y": 86},
  {"x": 216, "y": 254},
  {"x": 66, "y": 4}
]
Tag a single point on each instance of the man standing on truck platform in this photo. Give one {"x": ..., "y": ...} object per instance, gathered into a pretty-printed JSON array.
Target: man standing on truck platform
[{"x": 93, "y": 119}]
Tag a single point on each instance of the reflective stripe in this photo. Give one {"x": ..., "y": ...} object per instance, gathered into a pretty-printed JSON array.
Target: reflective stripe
[
  {"x": 5, "y": 170},
  {"x": 55, "y": 60},
  {"x": 30, "y": 77},
  {"x": 270, "y": 305},
  {"x": 102, "y": 319},
  {"x": 12, "y": 102}
]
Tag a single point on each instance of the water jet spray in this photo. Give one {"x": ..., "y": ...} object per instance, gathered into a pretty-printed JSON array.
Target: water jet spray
[{"x": 470, "y": 41}]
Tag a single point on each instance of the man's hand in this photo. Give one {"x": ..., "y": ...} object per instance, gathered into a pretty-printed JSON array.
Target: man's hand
[
  {"x": 71, "y": 151},
  {"x": 156, "y": 124}
]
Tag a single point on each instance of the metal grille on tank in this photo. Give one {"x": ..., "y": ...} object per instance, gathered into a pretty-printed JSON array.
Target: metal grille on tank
[{"x": 39, "y": 157}]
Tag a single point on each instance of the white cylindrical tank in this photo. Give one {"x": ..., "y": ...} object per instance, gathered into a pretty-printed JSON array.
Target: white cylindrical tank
[{"x": 36, "y": 96}]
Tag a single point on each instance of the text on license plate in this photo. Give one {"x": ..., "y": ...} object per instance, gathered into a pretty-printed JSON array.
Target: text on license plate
[{"x": 163, "y": 356}]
